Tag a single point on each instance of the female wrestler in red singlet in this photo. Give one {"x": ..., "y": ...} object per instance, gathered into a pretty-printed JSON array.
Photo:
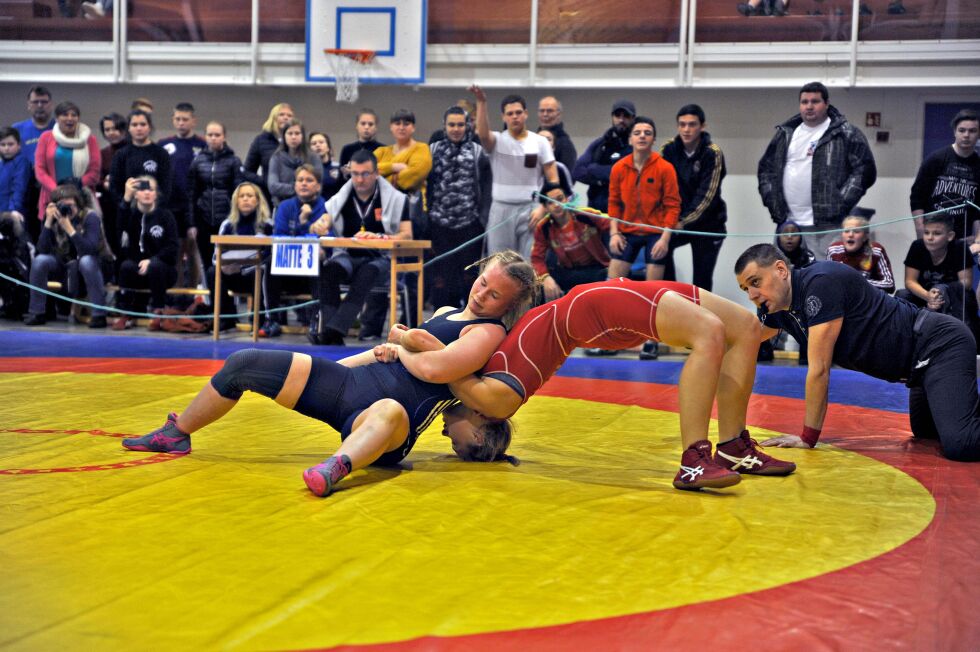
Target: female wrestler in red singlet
[{"x": 722, "y": 336}]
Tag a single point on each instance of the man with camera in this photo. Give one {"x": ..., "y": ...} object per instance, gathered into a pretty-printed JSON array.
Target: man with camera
[{"x": 69, "y": 245}]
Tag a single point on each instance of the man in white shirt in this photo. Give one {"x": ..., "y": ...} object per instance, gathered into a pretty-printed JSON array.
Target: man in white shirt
[
  {"x": 520, "y": 160},
  {"x": 816, "y": 168}
]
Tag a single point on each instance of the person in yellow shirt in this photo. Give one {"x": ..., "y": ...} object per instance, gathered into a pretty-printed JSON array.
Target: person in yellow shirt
[{"x": 405, "y": 165}]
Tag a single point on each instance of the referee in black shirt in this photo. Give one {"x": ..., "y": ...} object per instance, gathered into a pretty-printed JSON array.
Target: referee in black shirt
[{"x": 831, "y": 310}]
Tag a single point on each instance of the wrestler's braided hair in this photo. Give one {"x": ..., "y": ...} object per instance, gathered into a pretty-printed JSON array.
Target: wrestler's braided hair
[
  {"x": 496, "y": 434},
  {"x": 523, "y": 274}
]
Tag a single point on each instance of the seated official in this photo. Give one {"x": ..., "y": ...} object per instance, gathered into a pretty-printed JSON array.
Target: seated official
[
  {"x": 367, "y": 207},
  {"x": 574, "y": 240},
  {"x": 249, "y": 215},
  {"x": 301, "y": 216}
]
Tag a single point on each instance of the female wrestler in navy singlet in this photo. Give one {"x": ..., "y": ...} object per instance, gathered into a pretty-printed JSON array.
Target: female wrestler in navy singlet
[{"x": 379, "y": 409}]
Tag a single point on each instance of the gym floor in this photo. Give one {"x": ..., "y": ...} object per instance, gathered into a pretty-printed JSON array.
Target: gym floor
[{"x": 871, "y": 544}]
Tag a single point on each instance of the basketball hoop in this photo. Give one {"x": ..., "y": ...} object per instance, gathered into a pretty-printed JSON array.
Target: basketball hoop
[{"x": 347, "y": 66}]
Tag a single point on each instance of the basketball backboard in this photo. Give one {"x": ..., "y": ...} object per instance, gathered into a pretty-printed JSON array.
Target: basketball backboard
[{"x": 394, "y": 29}]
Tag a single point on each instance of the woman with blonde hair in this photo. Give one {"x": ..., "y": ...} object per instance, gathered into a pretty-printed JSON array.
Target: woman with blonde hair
[
  {"x": 249, "y": 215},
  {"x": 379, "y": 409},
  {"x": 265, "y": 143}
]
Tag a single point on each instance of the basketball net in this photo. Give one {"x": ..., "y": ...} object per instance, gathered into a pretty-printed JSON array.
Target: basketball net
[{"x": 347, "y": 66}]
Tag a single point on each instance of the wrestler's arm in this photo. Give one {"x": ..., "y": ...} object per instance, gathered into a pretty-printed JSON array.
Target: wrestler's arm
[
  {"x": 489, "y": 396},
  {"x": 358, "y": 359},
  {"x": 417, "y": 340},
  {"x": 414, "y": 339},
  {"x": 466, "y": 355}
]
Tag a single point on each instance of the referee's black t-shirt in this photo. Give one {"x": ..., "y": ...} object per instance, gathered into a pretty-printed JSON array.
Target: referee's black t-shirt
[{"x": 876, "y": 334}]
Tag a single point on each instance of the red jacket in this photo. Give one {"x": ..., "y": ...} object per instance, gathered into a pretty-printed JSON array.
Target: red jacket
[
  {"x": 649, "y": 196},
  {"x": 44, "y": 167},
  {"x": 588, "y": 236}
]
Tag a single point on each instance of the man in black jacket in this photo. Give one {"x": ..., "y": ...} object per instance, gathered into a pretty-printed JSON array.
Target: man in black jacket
[
  {"x": 700, "y": 168},
  {"x": 816, "y": 168},
  {"x": 593, "y": 167},
  {"x": 550, "y": 118},
  {"x": 183, "y": 147}
]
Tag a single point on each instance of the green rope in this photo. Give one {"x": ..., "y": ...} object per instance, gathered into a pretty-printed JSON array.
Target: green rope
[
  {"x": 712, "y": 234},
  {"x": 565, "y": 205},
  {"x": 130, "y": 313}
]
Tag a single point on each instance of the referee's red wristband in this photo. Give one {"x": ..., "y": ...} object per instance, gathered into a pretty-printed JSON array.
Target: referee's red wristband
[{"x": 810, "y": 436}]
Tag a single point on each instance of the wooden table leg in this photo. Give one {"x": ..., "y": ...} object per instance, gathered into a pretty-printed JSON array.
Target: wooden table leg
[
  {"x": 217, "y": 291},
  {"x": 393, "y": 292},
  {"x": 257, "y": 300},
  {"x": 421, "y": 298}
]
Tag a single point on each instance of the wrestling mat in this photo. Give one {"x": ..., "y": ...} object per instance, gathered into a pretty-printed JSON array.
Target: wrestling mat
[{"x": 871, "y": 544}]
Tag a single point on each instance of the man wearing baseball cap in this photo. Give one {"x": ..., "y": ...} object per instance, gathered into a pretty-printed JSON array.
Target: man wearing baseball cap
[{"x": 594, "y": 166}]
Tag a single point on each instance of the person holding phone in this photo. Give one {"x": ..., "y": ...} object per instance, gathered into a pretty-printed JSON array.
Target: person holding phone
[{"x": 150, "y": 246}]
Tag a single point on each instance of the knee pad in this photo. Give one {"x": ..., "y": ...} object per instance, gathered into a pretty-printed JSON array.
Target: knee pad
[{"x": 255, "y": 370}]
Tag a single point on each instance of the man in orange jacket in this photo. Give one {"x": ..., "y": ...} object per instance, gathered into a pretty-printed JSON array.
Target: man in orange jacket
[{"x": 642, "y": 190}]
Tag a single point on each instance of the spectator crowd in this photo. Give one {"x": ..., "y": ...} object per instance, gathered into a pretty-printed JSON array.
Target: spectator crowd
[{"x": 137, "y": 213}]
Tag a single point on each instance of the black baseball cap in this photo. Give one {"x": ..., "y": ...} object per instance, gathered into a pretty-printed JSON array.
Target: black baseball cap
[{"x": 624, "y": 105}]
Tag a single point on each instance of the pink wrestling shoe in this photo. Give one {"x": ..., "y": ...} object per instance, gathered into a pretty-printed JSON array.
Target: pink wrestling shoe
[
  {"x": 322, "y": 478},
  {"x": 165, "y": 439},
  {"x": 743, "y": 455},
  {"x": 699, "y": 471}
]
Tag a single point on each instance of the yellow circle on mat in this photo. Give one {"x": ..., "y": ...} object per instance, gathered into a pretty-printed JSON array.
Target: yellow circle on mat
[{"x": 226, "y": 548}]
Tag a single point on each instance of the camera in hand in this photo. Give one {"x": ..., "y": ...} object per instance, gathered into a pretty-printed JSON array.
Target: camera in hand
[
  {"x": 143, "y": 185},
  {"x": 64, "y": 209}
]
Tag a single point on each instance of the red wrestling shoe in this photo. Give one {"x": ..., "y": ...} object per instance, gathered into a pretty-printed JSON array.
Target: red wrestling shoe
[
  {"x": 699, "y": 471},
  {"x": 743, "y": 454}
]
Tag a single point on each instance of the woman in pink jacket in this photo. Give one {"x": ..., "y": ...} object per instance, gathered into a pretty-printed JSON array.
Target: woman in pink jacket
[{"x": 69, "y": 151}]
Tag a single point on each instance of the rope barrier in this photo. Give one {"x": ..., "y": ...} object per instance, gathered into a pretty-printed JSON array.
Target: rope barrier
[
  {"x": 568, "y": 205},
  {"x": 605, "y": 216},
  {"x": 151, "y": 315}
]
